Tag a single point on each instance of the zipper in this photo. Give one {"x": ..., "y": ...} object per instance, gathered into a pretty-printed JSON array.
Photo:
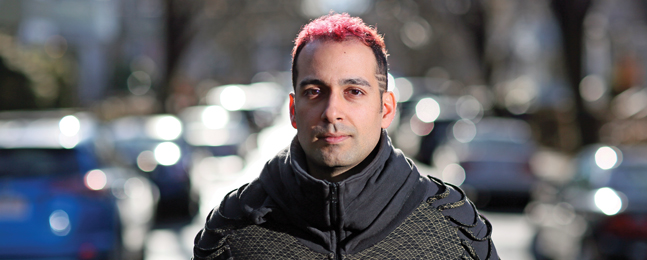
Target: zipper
[
  {"x": 334, "y": 218},
  {"x": 334, "y": 200}
]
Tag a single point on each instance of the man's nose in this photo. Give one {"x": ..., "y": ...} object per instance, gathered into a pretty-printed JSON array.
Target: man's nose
[{"x": 334, "y": 110}]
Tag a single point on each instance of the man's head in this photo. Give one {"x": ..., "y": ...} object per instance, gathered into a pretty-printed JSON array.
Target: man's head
[
  {"x": 342, "y": 27},
  {"x": 340, "y": 103}
]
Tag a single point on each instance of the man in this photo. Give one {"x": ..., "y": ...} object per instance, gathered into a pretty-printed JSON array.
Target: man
[{"x": 340, "y": 190}]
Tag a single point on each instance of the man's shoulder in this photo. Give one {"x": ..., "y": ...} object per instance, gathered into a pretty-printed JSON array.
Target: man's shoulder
[
  {"x": 473, "y": 228},
  {"x": 239, "y": 205},
  {"x": 239, "y": 208}
]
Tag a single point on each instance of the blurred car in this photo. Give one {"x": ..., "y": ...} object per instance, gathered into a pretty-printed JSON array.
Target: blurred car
[
  {"x": 218, "y": 139},
  {"x": 424, "y": 119},
  {"x": 213, "y": 128},
  {"x": 154, "y": 145},
  {"x": 601, "y": 213},
  {"x": 56, "y": 200},
  {"x": 490, "y": 160},
  {"x": 259, "y": 102}
]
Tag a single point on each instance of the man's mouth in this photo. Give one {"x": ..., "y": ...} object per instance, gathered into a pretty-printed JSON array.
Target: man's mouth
[{"x": 333, "y": 138}]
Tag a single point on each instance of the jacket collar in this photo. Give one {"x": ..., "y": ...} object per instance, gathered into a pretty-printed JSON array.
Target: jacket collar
[{"x": 365, "y": 203}]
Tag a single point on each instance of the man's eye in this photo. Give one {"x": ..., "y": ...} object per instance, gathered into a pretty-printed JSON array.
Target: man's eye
[
  {"x": 312, "y": 92},
  {"x": 355, "y": 92}
]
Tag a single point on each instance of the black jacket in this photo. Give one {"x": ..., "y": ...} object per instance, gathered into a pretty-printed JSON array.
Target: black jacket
[{"x": 342, "y": 218}]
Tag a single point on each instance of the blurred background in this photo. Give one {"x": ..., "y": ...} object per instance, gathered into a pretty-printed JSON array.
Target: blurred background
[{"x": 124, "y": 122}]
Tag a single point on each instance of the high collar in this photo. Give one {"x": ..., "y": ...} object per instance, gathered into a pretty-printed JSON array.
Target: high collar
[{"x": 364, "y": 204}]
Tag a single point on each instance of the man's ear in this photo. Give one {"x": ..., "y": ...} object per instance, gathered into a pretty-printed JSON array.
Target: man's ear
[
  {"x": 292, "y": 119},
  {"x": 388, "y": 108}
]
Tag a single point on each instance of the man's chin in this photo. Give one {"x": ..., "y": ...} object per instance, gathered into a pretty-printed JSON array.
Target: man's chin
[{"x": 333, "y": 161}]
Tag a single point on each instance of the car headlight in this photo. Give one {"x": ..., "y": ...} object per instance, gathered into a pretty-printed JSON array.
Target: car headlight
[
  {"x": 164, "y": 127},
  {"x": 167, "y": 153},
  {"x": 607, "y": 157},
  {"x": 608, "y": 201},
  {"x": 232, "y": 98},
  {"x": 69, "y": 125}
]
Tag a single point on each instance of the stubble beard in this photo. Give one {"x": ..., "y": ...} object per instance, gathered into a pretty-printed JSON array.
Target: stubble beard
[{"x": 333, "y": 156}]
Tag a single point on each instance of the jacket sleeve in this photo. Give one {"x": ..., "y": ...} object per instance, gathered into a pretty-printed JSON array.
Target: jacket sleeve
[
  {"x": 241, "y": 207},
  {"x": 211, "y": 242},
  {"x": 474, "y": 230}
]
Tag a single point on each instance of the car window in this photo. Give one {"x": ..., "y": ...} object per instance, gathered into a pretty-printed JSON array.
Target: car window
[
  {"x": 500, "y": 145},
  {"x": 499, "y": 150},
  {"x": 629, "y": 177},
  {"x": 38, "y": 162},
  {"x": 128, "y": 150}
]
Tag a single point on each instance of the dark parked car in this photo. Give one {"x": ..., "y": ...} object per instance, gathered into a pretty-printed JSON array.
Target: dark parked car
[
  {"x": 602, "y": 212},
  {"x": 490, "y": 160},
  {"x": 154, "y": 145}
]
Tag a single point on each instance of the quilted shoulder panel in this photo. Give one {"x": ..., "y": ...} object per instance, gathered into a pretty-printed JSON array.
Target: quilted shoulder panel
[
  {"x": 259, "y": 242},
  {"x": 425, "y": 234}
]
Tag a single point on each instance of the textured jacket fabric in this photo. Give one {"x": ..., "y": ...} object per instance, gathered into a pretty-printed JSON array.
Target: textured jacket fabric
[{"x": 386, "y": 211}]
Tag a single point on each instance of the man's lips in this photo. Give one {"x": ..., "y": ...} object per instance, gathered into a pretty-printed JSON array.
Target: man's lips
[{"x": 333, "y": 139}]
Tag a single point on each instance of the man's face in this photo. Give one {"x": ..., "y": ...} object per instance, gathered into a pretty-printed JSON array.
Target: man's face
[{"x": 337, "y": 106}]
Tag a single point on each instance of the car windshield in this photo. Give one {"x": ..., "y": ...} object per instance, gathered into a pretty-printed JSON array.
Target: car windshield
[
  {"x": 128, "y": 150},
  {"x": 487, "y": 150},
  {"x": 499, "y": 145},
  {"x": 38, "y": 162},
  {"x": 629, "y": 177},
  {"x": 486, "y": 166}
]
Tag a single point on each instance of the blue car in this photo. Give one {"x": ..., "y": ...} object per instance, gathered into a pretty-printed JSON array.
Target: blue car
[{"x": 55, "y": 199}]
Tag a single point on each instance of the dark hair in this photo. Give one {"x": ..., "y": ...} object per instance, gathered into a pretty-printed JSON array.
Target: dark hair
[{"x": 340, "y": 27}]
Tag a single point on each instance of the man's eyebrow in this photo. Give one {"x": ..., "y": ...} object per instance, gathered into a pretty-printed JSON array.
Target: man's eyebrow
[
  {"x": 311, "y": 81},
  {"x": 355, "y": 81}
]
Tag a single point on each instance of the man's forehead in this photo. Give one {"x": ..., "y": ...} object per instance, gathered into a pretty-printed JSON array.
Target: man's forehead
[{"x": 348, "y": 45}]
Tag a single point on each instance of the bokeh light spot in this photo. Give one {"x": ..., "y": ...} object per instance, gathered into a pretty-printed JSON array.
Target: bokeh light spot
[
  {"x": 468, "y": 107},
  {"x": 454, "y": 174},
  {"x": 427, "y": 110},
  {"x": 215, "y": 117},
  {"x": 608, "y": 201},
  {"x": 606, "y": 157},
  {"x": 415, "y": 33},
  {"x": 592, "y": 88},
  {"x": 232, "y": 98},
  {"x": 464, "y": 130},
  {"x": 69, "y": 125},
  {"x": 59, "y": 222},
  {"x": 420, "y": 128},
  {"x": 95, "y": 180},
  {"x": 146, "y": 161},
  {"x": 164, "y": 127},
  {"x": 167, "y": 153},
  {"x": 404, "y": 88},
  {"x": 139, "y": 83}
]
